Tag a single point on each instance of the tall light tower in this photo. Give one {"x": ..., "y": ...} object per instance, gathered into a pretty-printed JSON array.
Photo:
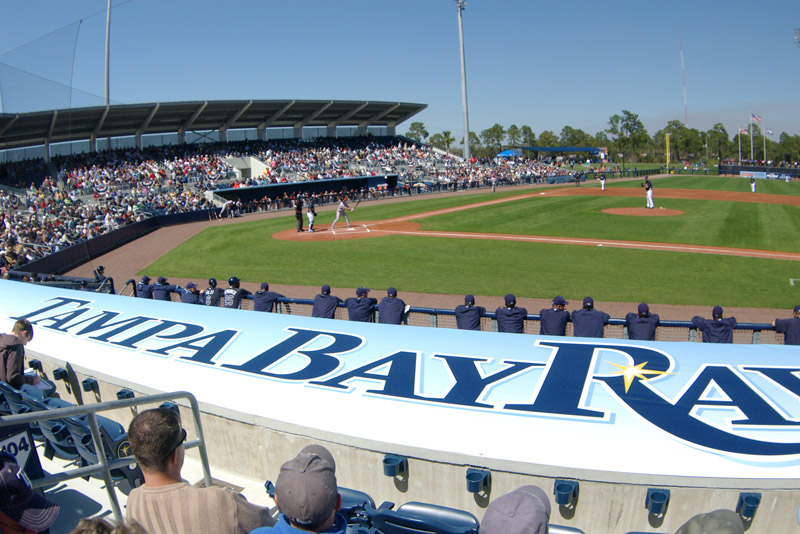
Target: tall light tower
[{"x": 461, "y": 4}]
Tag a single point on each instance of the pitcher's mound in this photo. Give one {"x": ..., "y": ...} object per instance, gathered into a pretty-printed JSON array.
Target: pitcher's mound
[{"x": 643, "y": 212}]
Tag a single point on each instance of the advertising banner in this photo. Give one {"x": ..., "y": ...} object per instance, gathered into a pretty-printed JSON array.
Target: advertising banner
[{"x": 665, "y": 408}]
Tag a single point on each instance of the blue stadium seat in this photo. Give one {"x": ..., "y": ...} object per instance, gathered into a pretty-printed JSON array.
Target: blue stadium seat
[
  {"x": 115, "y": 444},
  {"x": 421, "y": 518},
  {"x": 353, "y": 504}
]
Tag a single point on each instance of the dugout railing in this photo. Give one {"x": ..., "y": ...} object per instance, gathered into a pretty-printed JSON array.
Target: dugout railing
[{"x": 744, "y": 333}]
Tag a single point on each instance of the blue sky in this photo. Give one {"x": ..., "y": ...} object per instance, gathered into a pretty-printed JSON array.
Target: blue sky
[{"x": 529, "y": 62}]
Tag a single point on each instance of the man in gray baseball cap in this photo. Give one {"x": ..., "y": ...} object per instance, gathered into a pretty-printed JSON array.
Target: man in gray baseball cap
[
  {"x": 526, "y": 510},
  {"x": 308, "y": 497}
]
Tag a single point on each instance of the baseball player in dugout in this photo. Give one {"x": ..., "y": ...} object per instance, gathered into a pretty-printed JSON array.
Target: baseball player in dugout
[
  {"x": 790, "y": 328},
  {"x": 718, "y": 329},
  {"x": 642, "y": 325},
  {"x": 589, "y": 322},
  {"x": 509, "y": 317},
  {"x": 232, "y": 297},
  {"x": 468, "y": 315},
  {"x": 360, "y": 307},
  {"x": 553, "y": 321}
]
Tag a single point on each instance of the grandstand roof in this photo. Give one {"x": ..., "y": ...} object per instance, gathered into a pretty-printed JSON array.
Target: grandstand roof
[{"x": 54, "y": 126}]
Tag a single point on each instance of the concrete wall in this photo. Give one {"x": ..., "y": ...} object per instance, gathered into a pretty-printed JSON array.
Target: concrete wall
[{"x": 255, "y": 448}]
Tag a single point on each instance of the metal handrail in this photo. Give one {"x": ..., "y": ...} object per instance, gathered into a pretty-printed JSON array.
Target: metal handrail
[{"x": 103, "y": 466}]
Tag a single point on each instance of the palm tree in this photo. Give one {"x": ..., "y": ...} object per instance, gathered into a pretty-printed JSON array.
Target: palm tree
[{"x": 447, "y": 138}]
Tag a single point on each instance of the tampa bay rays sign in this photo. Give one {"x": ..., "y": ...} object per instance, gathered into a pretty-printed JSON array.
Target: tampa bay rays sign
[{"x": 681, "y": 409}]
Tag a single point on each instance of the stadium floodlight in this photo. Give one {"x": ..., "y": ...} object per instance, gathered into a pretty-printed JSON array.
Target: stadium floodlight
[
  {"x": 461, "y": 4},
  {"x": 797, "y": 36}
]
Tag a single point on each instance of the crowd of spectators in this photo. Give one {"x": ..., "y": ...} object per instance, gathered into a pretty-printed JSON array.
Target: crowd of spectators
[{"x": 95, "y": 193}]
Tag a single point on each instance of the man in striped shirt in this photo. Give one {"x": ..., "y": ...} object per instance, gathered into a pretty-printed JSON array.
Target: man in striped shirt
[{"x": 165, "y": 503}]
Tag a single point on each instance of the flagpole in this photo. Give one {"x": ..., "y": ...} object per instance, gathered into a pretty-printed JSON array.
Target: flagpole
[
  {"x": 752, "y": 155},
  {"x": 740, "y": 145},
  {"x": 765, "y": 145}
]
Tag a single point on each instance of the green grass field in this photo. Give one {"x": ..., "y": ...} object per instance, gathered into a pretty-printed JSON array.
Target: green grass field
[{"x": 457, "y": 266}]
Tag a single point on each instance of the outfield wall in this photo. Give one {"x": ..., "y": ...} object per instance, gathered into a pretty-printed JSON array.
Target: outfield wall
[{"x": 619, "y": 416}]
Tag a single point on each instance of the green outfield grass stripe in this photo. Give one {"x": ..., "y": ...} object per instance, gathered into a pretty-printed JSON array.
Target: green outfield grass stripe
[{"x": 493, "y": 267}]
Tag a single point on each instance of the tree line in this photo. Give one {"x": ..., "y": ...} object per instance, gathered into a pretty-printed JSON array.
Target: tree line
[{"x": 626, "y": 135}]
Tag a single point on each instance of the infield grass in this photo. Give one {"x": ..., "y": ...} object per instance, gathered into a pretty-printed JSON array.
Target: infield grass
[{"x": 493, "y": 267}]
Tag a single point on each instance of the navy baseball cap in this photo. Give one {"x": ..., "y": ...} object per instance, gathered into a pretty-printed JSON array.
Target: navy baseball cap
[
  {"x": 361, "y": 291},
  {"x": 717, "y": 311},
  {"x": 797, "y": 309},
  {"x": 644, "y": 308},
  {"x": 18, "y": 500},
  {"x": 326, "y": 289},
  {"x": 191, "y": 285},
  {"x": 559, "y": 301},
  {"x": 469, "y": 299},
  {"x": 510, "y": 299},
  {"x": 264, "y": 286},
  {"x": 588, "y": 302},
  {"x": 392, "y": 292},
  {"x": 145, "y": 279},
  {"x": 162, "y": 280}
]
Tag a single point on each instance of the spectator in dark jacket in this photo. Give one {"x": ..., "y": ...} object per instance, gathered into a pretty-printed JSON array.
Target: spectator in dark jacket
[{"x": 12, "y": 352}]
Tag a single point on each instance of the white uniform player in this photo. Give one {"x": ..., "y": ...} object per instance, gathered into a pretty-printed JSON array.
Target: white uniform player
[{"x": 342, "y": 210}]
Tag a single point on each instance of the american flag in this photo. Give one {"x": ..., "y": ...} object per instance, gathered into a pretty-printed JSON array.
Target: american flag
[
  {"x": 755, "y": 118},
  {"x": 742, "y": 131}
]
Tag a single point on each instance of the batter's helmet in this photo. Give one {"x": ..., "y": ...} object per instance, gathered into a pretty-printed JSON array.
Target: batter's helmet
[
  {"x": 212, "y": 282},
  {"x": 233, "y": 281}
]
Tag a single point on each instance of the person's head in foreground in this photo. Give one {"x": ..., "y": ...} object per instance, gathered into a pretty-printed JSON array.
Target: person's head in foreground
[
  {"x": 306, "y": 492},
  {"x": 21, "y": 508},
  {"x": 716, "y": 522},
  {"x": 526, "y": 510}
]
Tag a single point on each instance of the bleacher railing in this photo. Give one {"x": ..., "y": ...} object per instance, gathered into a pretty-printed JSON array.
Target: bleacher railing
[
  {"x": 744, "y": 333},
  {"x": 103, "y": 466}
]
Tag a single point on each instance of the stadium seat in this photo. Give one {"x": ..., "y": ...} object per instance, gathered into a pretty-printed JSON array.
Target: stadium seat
[
  {"x": 418, "y": 518},
  {"x": 353, "y": 504},
  {"x": 115, "y": 444}
]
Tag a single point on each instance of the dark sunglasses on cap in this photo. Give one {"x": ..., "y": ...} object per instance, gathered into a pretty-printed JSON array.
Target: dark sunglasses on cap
[{"x": 178, "y": 443}]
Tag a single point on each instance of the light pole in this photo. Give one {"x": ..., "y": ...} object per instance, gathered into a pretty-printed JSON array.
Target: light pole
[{"x": 461, "y": 4}]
